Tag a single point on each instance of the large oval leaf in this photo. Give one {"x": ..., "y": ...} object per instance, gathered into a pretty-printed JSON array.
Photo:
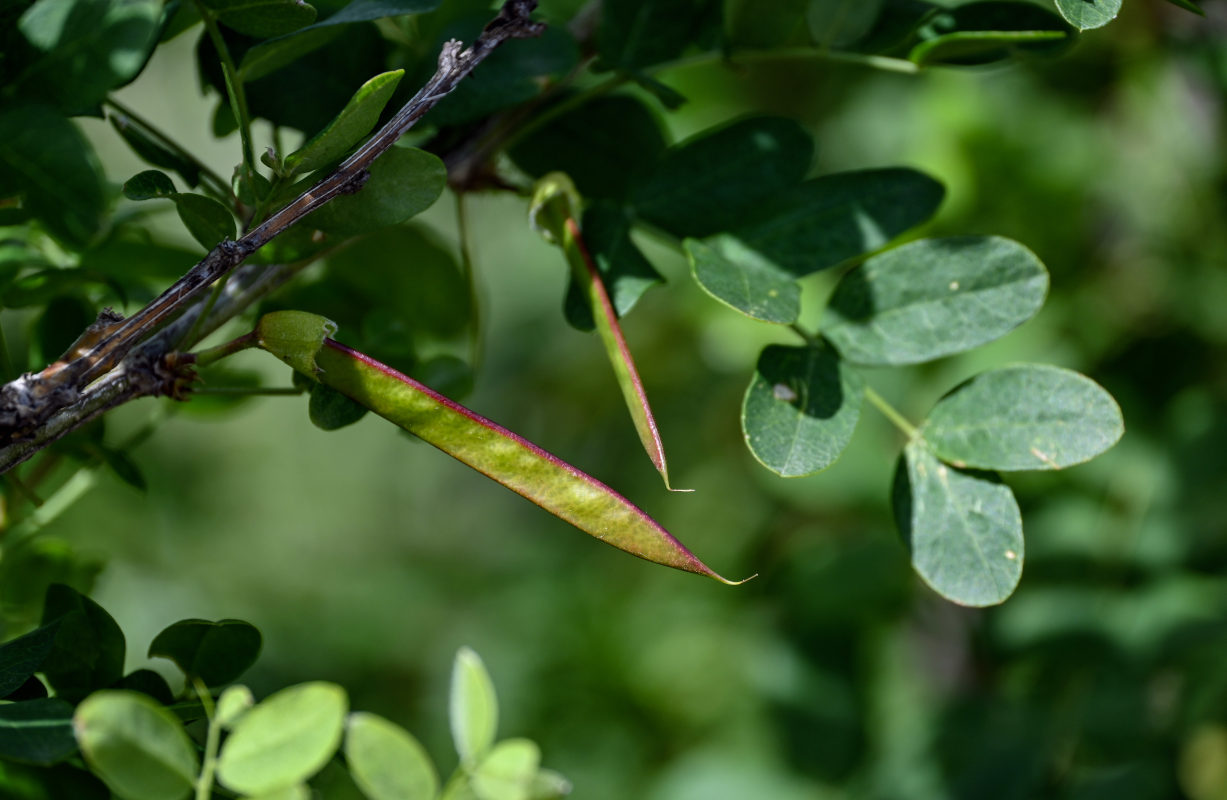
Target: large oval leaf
[
  {"x": 386, "y": 761},
  {"x": 743, "y": 280},
  {"x": 1029, "y": 416},
  {"x": 404, "y": 181},
  {"x": 934, "y": 297},
  {"x": 800, "y": 409},
  {"x": 136, "y": 746},
  {"x": 1087, "y": 14},
  {"x": 37, "y": 731},
  {"x": 964, "y": 529},
  {"x": 285, "y": 739}
]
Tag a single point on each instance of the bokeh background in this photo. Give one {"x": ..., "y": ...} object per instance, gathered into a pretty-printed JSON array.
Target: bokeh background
[{"x": 367, "y": 558}]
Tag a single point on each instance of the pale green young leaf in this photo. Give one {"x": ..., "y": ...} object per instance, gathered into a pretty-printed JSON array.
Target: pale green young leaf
[
  {"x": 934, "y": 297},
  {"x": 963, "y": 529},
  {"x": 386, "y": 761},
  {"x": 800, "y": 409},
  {"x": 136, "y": 746},
  {"x": 1028, "y": 416},
  {"x": 349, "y": 127},
  {"x": 472, "y": 707},
  {"x": 233, "y": 703},
  {"x": 285, "y": 739},
  {"x": 295, "y": 791},
  {"x": 507, "y": 772}
]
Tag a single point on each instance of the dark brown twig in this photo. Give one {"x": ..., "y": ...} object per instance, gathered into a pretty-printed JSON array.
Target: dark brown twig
[{"x": 38, "y": 408}]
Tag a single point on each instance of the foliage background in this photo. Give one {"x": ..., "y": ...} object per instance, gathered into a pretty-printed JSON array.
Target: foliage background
[{"x": 367, "y": 558}]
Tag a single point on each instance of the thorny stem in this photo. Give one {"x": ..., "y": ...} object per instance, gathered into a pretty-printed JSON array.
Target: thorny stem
[
  {"x": 36, "y": 409},
  {"x": 234, "y": 86}
]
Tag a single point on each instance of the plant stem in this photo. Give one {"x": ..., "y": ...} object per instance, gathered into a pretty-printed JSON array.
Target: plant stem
[
  {"x": 810, "y": 338},
  {"x": 209, "y": 355},
  {"x": 21, "y": 489},
  {"x": 271, "y": 391},
  {"x": 901, "y": 422},
  {"x": 59, "y": 502},
  {"x": 886, "y": 63},
  {"x": 204, "y": 784},
  {"x": 466, "y": 265},
  {"x": 234, "y": 86},
  {"x": 219, "y": 184}
]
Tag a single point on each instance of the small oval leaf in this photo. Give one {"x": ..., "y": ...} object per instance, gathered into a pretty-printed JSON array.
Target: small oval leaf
[
  {"x": 206, "y": 219},
  {"x": 386, "y": 761},
  {"x": 349, "y": 127},
  {"x": 148, "y": 185},
  {"x": 1029, "y": 416},
  {"x": 136, "y": 746},
  {"x": 472, "y": 707},
  {"x": 263, "y": 19},
  {"x": 331, "y": 410},
  {"x": 933, "y": 298},
  {"x": 964, "y": 529},
  {"x": 507, "y": 772},
  {"x": 1087, "y": 14},
  {"x": 285, "y": 739},
  {"x": 800, "y": 409},
  {"x": 215, "y": 652},
  {"x": 743, "y": 279}
]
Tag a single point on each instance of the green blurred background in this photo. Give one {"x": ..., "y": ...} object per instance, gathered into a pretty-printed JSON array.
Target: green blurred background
[{"x": 367, "y": 558}]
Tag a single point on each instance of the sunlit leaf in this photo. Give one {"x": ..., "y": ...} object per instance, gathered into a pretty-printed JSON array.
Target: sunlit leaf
[
  {"x": 507, "y": 772},
  {"x": 800, "y": 409},
  {"x": 386, "y": 761},
  {"x": 472, "y": 707},
  {"x": 263, "y": 19},
  {"x": 983, "y": 32},
  {"x": 743, "y": 279},
  {"x": 1087, "y": 14},
  {"x": 215, "y": 652},
  {"x": 934, "y": 297},
  {"x": 285, "y": 739},
  {"x": 963, "y": 529},
  {"x": 354, "y": 122},
  {"x": 624, "y": 271},
  {"x": 233, "y": 703},
  {"x": 136, "y": 746},
  {"x": 1029, "y": 416}
]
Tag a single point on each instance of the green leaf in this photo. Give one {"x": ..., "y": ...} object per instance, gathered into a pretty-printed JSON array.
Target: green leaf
[
  {"x": 507, "y": 772},
  {"x": 234, "y": 702},
  {"x": 743, "y": 279},
  {"x": 980, "y": 33},
  {"x": 623, "y": 268},
  {"x": 841, "y": 23},
  {"x": 149, "y": 185},
  {"x": 89, "y": 48},
  {"x": 1029, "y": 416},
  {"x": 295, "y": 791},
  {"x": 386, "y": 761},
  {"x": 23, "y": 656},
  {"x": 764, "y": 23},
  {"x": 800, "y": 409},
  {"x": 963, "y": 529},
  {"x": 640, "y": 33},
  {"x": 88, "y": 653},
  {"x": 145, "y": 145},
  {"x": 268, "y": 57},
  {"x": 330, "y": 410},
  {"x": 349, "y": 127},
  {"x": 136, "y": 746},
  {"x": 285, "y": 739},
  {"x": 472, "y": 707},
  {"x": 934, "y": 297},
  {"x": 215, "y": 652},
  {"x": 501, "y": 455},
  {"x": 604, "y": 145},
  {"x": 123, "y": 467},
  {"x": 1188, "y": 5},
  {"x": 149, "y": 683},
  {"x": 1087, "y": 14},
  {"x": 263, "y": 19},
  {"x": 549, "y": 785},
  {"x": 830, "y": 220},
  {"x": 138, "y": 260},
  {"x": 53, "y": 166},
  {"x": 555, "y": 202},
  {"x": 711, "y": 182},
  {"x": 404, "y": 181},
  {"x": 295, "y": 337},
  {"x": 207, "y": 220},
  {"x": 37, "y": 731}
]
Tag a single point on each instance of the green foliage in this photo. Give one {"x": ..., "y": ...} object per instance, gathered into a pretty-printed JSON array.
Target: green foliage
[
  {"x": 216, "y": 653},
  {"x": 136, "y": 746}
]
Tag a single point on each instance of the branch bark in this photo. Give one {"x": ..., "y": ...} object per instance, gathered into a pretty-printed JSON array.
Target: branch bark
[{"x": 117, "y": 360}]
